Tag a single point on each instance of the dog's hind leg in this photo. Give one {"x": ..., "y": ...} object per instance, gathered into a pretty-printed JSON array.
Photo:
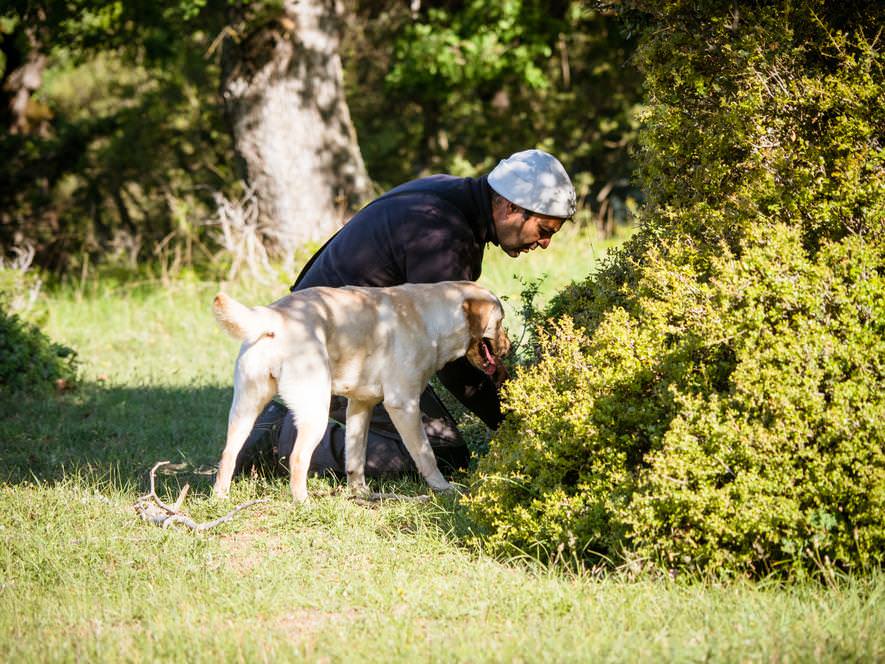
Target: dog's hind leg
[
  {"x": 247, "y": 405},
  {"x": 407, "y": 420},
  {"x": 359, "y": 414},
  {"x": 309, "y": 402}
]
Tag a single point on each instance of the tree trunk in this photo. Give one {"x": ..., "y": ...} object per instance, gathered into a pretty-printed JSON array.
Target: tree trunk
[
  {"x": 283, "y": 92},
  {"x": 23, "y": 75}
]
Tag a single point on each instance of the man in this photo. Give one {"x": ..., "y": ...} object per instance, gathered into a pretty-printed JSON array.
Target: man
[{"x": 428, "y": 230}]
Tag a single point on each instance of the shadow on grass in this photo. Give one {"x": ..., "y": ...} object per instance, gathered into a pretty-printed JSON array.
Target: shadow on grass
[{"x": 113, "y": 433}]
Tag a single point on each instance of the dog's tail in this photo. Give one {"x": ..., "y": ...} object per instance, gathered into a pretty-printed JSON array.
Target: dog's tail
[{"x": 241, "y": 322}]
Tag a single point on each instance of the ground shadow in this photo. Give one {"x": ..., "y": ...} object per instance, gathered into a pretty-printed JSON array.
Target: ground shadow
[
  {"x": 112, "y": 432},
  {"x": 115, "y": 434}
]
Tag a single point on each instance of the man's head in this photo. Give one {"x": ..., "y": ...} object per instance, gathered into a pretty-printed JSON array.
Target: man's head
[{"x": 533, "y": 196}]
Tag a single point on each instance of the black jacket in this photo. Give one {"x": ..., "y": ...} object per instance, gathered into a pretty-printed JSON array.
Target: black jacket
[{"x": 427, "y": 230}]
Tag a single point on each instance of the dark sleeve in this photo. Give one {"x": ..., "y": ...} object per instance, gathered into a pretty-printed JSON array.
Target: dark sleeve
[
  {"x": 473, "y": 389},
  {"x": 442, "y": 247}
]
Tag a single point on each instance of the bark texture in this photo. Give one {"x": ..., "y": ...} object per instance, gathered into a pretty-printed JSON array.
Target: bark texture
[
  {"x": 23, "y": 75},
  {"x": 283, "y": 92}
]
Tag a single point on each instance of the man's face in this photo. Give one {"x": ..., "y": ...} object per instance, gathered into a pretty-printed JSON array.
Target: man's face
[{"x": 518, "y": 233}]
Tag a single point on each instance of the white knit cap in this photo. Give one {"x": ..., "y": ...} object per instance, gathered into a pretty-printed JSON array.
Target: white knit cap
[{"x": 536, "y": 181}]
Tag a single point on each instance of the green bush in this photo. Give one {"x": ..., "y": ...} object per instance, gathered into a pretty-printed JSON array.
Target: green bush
[
  {"x": 737, "y": 422},
  {"x": 29, "y": 360},
  {"x": 712, "y": 399}
]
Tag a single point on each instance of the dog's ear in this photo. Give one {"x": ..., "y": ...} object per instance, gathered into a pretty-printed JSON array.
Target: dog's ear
[
  {"x": 485, "y": 319},
  {"x": 480, "y": 318}
]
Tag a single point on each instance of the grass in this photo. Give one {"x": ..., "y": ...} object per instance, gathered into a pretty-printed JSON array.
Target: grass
[
  {"x": 336, "y": 581},
  {"x": 82, "y": 579}
]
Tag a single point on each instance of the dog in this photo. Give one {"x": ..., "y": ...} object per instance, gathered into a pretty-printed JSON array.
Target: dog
[{"x": 366, "y": 344}]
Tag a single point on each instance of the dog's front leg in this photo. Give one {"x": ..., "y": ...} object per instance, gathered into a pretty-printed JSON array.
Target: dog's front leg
[
  {"x": 356, "y": 437},
  {"x": 407, "y": 420}
]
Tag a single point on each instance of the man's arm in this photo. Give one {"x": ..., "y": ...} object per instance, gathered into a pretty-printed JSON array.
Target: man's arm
[
  {"x": 445, "y": 249},
  {"x": 441, "y": 252}
]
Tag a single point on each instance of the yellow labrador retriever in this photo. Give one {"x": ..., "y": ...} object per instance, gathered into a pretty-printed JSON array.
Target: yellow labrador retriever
[{"x": 366, "y": 344}]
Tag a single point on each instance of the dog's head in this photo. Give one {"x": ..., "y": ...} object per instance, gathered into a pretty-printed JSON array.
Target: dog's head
[{"x": 488, "y": 343}]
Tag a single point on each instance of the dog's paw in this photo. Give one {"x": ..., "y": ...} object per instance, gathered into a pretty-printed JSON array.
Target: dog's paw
[
  {"x": 441, "y": 487},
  {"x": 300, "y": 497}
]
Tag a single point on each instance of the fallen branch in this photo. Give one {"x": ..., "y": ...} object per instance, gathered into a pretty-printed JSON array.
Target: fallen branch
[{"x": 150, "y": 508}]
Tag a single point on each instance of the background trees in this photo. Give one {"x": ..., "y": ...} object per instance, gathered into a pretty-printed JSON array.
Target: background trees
[
  {"x": 126, "y": 143},
  {"x": 282, "y": 87},
  {"x": 147, "y": 114}
]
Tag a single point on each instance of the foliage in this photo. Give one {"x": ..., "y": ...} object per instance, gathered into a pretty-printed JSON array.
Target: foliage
[
  {"x": 777, "y": 115},
  {"x": 129, "y": 143},
  {"x": 731, "y": 423},
  {"x": 456, "y": 86},
  {"x": 129, "y": 146},
  {"x": 712, "y": 398},
  {"x": 29, "y": 360}
]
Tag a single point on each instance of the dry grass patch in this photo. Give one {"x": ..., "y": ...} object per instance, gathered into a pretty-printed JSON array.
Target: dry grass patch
[
  {"x": 245, "y": 551},
  {"x": 307, "y": 622}
]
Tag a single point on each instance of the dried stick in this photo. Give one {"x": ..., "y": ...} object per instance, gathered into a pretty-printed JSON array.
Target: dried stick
[{"x": 150, "y": 508}]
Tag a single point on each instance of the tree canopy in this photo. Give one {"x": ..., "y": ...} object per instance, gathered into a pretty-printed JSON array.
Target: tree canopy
[{"x": 122, "y": 146}]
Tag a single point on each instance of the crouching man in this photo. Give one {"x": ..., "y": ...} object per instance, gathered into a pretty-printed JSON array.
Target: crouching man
[{"x": 425, "y": 231}]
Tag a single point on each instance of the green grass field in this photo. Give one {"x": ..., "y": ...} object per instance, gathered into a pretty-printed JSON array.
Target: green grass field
[{"x": 83, "y": 579}]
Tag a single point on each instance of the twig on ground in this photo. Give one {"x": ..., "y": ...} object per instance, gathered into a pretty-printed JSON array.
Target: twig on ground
[{"x": 150, "y": 508}]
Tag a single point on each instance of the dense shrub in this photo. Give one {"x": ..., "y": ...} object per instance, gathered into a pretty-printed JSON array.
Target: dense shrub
[
  {"x": 713, "y": 398},
  {"x": 29, "y": 360}
]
